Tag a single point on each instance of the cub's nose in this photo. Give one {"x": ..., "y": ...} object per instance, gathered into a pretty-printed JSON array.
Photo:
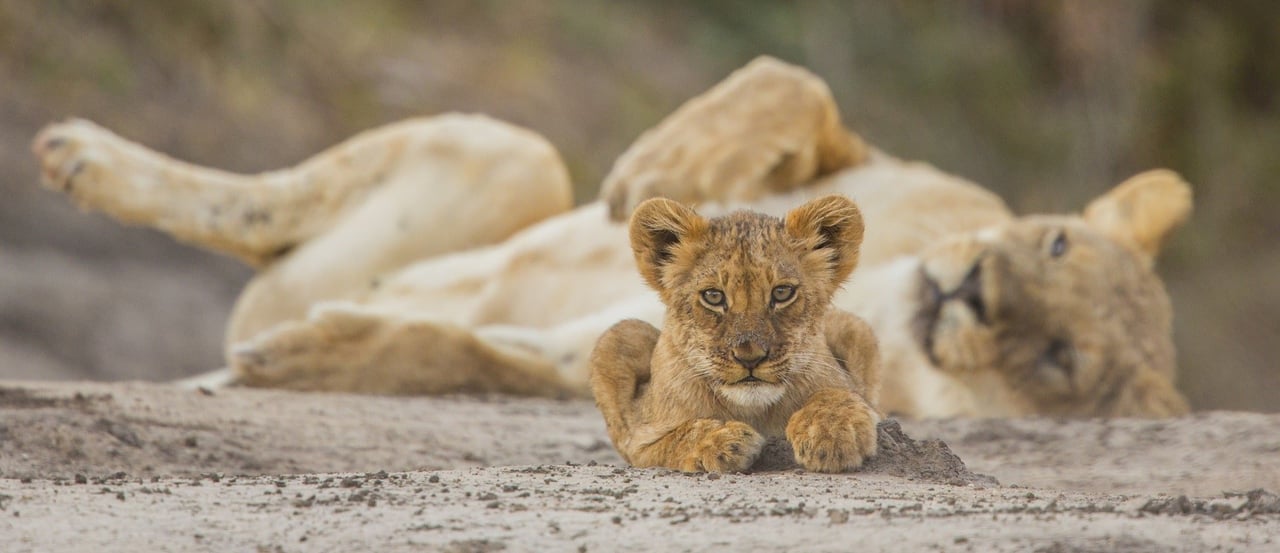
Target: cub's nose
[{"x": 750, "y": 354}]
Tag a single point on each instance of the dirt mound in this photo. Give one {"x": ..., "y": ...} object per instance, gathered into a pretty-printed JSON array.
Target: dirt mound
[{"x": 897, "y": 455}]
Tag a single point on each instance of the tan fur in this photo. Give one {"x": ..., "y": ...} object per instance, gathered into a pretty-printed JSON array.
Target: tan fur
[
  {"x": 455, "y": 304},
  {"x": 413, "y": 190},
  {"x": 1006, "y": 303},
  {"x": 769, "y": 127},
  {"x": 317, "y": 356},
  {"x": 723, "y": 375},
  {"x": 1142, "y": 211}
]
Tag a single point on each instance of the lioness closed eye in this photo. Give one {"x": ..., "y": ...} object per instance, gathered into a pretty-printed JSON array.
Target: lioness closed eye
[{"x": 750, "y": 348}]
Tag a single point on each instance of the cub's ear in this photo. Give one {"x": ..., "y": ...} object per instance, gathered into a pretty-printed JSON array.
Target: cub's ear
[
  {"x": 660, "y": 230},
  {"x": 1142, "y": 211},
  {"x": 831, "y": 228}
]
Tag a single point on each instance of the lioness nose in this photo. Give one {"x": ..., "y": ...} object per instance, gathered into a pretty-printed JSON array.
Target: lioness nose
[
  {"x": 750, "y": 354},
  {"x": 970, "y": 292}
]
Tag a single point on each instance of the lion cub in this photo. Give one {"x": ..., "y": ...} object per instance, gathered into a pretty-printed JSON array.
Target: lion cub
[{"x": 750, "y": 347}]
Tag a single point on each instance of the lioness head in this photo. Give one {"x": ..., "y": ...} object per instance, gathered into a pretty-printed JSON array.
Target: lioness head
[
  {"x": 746, "y": 293},
  {"x": 1065, "y": 309}
]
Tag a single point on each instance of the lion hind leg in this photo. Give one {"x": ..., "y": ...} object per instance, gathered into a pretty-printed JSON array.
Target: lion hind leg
[
  {"x": 769, "y": 127},
  {"x": 348, "y": 348},
  {"x": 258, "y": 217}
]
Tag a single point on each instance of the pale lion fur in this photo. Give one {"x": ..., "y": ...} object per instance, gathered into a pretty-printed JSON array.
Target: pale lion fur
[{"x": 441, "y": 254}]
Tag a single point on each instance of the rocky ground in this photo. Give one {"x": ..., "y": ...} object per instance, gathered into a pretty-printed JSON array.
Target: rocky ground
[{"x": 144, "y": 467}]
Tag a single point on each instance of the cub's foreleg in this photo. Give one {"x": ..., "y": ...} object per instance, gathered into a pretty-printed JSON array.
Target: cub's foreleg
[
  {"x": 619, "y": 374},
  {"x": 835, "y": 431},
  {"x": 644, "y": 434},
  {"x": 699, "y": 445},
  {"x": 854, "y": 345}
]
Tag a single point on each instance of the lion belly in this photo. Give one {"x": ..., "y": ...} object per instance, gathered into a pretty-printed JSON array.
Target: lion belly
[{"x": 561, "y": 269}]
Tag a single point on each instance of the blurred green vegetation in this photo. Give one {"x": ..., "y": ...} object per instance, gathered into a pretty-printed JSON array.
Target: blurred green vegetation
[{"x": 1048, "y": 103}]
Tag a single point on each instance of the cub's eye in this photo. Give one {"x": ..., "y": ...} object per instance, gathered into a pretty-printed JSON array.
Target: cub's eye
[
  {"x": 713, "y": 297},
  {"x": 784, "y": 293},
  {"x": 1059, "y": 245}
]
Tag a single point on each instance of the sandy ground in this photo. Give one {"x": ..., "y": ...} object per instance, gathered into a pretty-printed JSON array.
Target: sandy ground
[{"x": 138, "y": 467}]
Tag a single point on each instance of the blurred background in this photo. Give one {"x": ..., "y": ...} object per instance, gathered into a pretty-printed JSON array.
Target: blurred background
[{"x": 1048, "y": 103}]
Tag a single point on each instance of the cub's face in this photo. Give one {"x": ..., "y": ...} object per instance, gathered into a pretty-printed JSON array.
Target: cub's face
[
  {"x": 1066, "y": 312},
  {"x": 746, "y": 293}
]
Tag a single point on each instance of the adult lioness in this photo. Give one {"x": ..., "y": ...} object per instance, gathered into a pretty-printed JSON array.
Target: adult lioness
[{"x": 386, "y": 266}]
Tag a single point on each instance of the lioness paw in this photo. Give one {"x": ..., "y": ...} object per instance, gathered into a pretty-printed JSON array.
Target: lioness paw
[
  {"x": 733, "y": 447},
  {"x": 290, "y": 356},
  {"x": 308, "y": 354},
  {"x": 834, "y": 432},
  {"x": 74, "y": 153}
]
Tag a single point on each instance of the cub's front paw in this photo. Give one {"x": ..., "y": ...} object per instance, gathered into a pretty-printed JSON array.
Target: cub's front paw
[
  {"x": 732, "y": 447},
  {"x": 834, "y": 432}
]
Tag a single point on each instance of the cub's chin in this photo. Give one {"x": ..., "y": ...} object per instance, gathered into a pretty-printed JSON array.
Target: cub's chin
[{"x": 754, "y": 395}]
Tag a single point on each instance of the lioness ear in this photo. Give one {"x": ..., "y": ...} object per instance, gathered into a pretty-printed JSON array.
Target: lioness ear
[
  {"x": 658, "y": 228},
  {"x": 830, "y": 227},
  {"x": 1142, "y": 211}
]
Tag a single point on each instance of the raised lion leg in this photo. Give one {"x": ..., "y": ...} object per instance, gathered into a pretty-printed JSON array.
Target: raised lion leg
[
  {"x": 344, "y": 347},
  {"x": 258, "y": 217},
  {"x": 329, "y": 228},
  {"x": 769, "y": 127}
]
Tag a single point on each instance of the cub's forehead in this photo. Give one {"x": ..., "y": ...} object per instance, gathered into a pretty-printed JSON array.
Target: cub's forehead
[
  {"x": 745, "y": 230},
  {"x": 746, "y": 243}
]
